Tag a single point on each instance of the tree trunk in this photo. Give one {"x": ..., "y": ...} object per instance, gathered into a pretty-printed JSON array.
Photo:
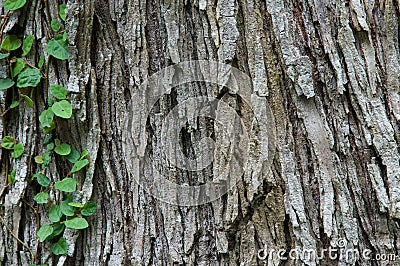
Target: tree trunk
[{"x": 324, "y": 74}]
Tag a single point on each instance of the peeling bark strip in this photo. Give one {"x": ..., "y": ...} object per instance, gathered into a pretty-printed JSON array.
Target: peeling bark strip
[{"x": 330, "y": 72}]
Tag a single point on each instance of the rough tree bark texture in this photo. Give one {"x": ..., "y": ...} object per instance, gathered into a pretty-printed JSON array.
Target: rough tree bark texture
[{"x": 330, "y": 72}]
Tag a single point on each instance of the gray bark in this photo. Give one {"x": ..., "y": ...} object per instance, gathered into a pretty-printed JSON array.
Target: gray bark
[{"x": 328, "y": 70}]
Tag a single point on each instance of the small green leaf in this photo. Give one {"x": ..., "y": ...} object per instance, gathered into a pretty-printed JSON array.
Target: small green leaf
[
  {"x": 62, "y": 109},
  {"x": 66, "y": 185},
  {"x": 57, "y": 142},
  {"x": 60, "y": 247},
  {"x": 17, "y": 67},
  {"x": 79, "y": 165},
  {"x": 76, "y": 223},
  {"x": 41, "y": 61},
  {"x": 55, "y": 214},
  {"x": 55, "y": 25},
  {"x": 63, "y": 7},
  {"x": 2, "y": 56},
  {"x": 11, "y": 177},
  {"x": 28, "y": 100},
  {"x": 89, "y": 208},
  {"x": 11, "y": 43},
  {"x": 42, "y": 179},
  {"x": 41, "y": 198},
  {"x": 18, "y": 150},
  {"x": 73, "y": 157},
  {"x": 58, "y": 91},
  {"x": 50, "y": 102},
  {"x": 63, "y": 149},
  {"x": 76, "y": 204},
  {"x": 30, "y": 77},
  {"x": 50, "y": 146},
  {"x": 46, "y": 117},
  {"x": 46, "y": 159},
  {"x": 58, "y": 229},
  {"x": 39, "y": 159},
  {"x": 65, "y": 208},
  {"x": 8, "y": 142},
  {"x": 6, "y": 83},
  {"x": 44, "y": 232},
  {"x": 27, "y": 45},
  {"x": 14, "y": 4},
  {"x": 58, "y": 48},
  {"x": 84, "y": 153},
  {"x": 14, "y": 104}
]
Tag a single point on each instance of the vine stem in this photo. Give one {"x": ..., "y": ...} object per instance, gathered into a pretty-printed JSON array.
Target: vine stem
[{"x": 19, "y": 240}]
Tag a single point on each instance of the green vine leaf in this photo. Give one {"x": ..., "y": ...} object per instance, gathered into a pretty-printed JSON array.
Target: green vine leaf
[
  {"x": 76, "y": 223},
  {"x": 41, "y": 61},
  {"x": 6, "y": 83},
  {"x": 63, "y": 149},
  {"x": 28, "y": 42},
  {"x": 55, "y": 214},
  {"x": 65, "y": 208},
  {"x": 42, "y": 179},
  {"x": 44, "y": 232},
  {"x": 30, "y": 77},
  {"x": 74, "y": 156},
  {"x": 46, "y": 118},
  {"x": 62, "y": 14},
  {"x": 8, "y": 143},
  {"x": 39, "y": 159},
  {"x": 41, "y": 198},
  {"x": 76, "y": 204},
  {"x": 55, "y": 25},
  {"x": 46, "y": 159},
  {"x": 60, "y": 247},
  {"x": 28, "y": 100},
  {"x": 58, "y": 229},
  {"x": 66, "y": 185},
  {"x": 50, "y": 146},
  {"x": 62, "y": 109},
  {"x": 14, "y": 104},
  {"x": 14, "y": 4},
  {"x": 17, "y": 67},
  {"x": 11, "y": 177},
  {"x": 11, "y": 43},
  {"x": 58, "y": 48},
  {"x": 89, "y": 209},
  {"x": 79, "y": 165},
  {"x": 2, "y": 56},
  {"x": 58, "y": 91},
  {"x": 18, "y": 150}
]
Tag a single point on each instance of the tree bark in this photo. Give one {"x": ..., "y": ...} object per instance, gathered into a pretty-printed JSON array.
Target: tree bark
[{"x": 329, "y": 72}]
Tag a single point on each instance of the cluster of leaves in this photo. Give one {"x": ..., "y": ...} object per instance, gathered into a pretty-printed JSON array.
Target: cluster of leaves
[
  {"x": 25, "y": 75},
  {"x": 68, "y": 213}
]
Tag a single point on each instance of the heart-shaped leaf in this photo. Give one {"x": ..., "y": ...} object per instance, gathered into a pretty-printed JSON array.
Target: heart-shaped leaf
[
  {"x": 76, "y": 223},
  {"x": 30, "y": 77},
  {"x": 14, "y": 4},
  {"x": 6, "y": 83},
  {"x": 66, "y": 185},
  {"x": 60, "y": 247},
  {"x": 44, "y": 231},
  {"x": 62, "y": 109},
  {"x": 11, "y": 43}
]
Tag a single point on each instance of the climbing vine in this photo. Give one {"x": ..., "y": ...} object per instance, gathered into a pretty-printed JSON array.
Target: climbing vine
[{"x": 24, "y": 76}]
